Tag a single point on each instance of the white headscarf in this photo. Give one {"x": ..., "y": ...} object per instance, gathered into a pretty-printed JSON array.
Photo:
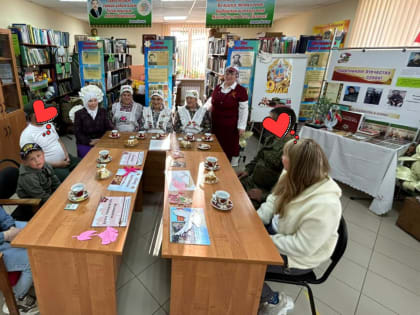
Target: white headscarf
[
  {"x": 89, "y": 92},
  {"x": 194, "y": 94}
]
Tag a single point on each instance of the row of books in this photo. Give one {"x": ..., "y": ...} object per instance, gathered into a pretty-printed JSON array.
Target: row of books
[
  {"x": 118, "y": 46},
  {"x": 212, "y": 80},
  {"x": 34, "y": 56},
  {"x": 64, "y": 88},
  {"x": 216, "y": 64},
  {"x": 29, "y": 34},
  {"x": 285, "y": 45},
  {"x": 217, "y": 46}
]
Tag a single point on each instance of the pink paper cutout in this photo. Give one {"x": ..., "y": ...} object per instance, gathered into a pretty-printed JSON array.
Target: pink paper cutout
[
  {"x": 108, "y": 236},
  {"x": 84, "y": 236},
  {"x": 129, "y": 170},
  {"x": 178, "y": 184}
]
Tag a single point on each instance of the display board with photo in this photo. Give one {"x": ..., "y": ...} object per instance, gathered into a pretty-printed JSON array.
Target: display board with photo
[
  {"x": 373, "y": 96},
  {"x": 351, "y": 93},
  {"x": 396, "y": 98}
]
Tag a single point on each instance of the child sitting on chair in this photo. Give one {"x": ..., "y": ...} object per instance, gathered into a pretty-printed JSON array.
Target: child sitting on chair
[
  {"x": 16, "y": 259},
  {"x": 302, "y": 214},
  {"x": 36, "y": 177}
]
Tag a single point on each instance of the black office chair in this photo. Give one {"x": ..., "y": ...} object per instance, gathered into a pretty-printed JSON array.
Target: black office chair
[
  {"x": 8, "y": 184},
  {"x": 310, "y": 278}
]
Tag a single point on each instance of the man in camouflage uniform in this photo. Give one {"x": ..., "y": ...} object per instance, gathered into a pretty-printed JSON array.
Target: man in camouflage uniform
[{"x": 262, "y": 173}]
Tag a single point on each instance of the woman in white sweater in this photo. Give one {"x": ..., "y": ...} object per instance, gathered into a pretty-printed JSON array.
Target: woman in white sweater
[{"x": 302, "y": 214}]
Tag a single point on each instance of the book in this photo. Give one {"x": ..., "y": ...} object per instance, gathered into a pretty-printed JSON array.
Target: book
[
  {"x": 125, "y": 180},
  {"x": 112, "y": 211},
  {"x": 188, "y": 226},
  {"x": 132, "y": 158},
  {"x": 350, "y": 121}
]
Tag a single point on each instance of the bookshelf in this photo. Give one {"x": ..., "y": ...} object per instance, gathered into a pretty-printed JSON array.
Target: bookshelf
[
  {"x": 43, "y": 64},
  {"x": 12, "y": 116},
  {"x": 216, "y": 63}
]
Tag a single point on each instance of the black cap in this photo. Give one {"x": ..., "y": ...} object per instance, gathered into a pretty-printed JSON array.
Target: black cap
[{"x": 28, "y": 148}]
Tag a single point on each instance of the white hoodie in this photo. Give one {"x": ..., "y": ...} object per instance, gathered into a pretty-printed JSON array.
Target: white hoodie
[{"x": 307, "y": 234}]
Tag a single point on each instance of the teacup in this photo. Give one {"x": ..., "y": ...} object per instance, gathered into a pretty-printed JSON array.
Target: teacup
[
  {"x": 78, "y": 189},
  {"x": 160, "y": 136},
  {"x": 103, "y": 154},
  {"x": 141, "y": 134},
  {"x": 207, "y": 136},
  {"x": 222, "y": 197},
  {"x": 190, "y": 136},
  {"x": 211, "y": 161},
  {"x": 114, "y": 133}
]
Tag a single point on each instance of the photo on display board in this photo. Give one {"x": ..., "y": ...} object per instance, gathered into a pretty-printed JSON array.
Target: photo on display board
[
  {"x": 162, "y": 87},
  {"x": 351, "y": 93},
  {"x": 317, "y": 59},
  {"x": 396, "y": 98},
  {"x": 373, "y": 96},
  {"x": 95, "y": 8},
  {"x": 414, "y": 60},
  {"x": 158, "y": 58},
  {"x": 241, "y": 59}
]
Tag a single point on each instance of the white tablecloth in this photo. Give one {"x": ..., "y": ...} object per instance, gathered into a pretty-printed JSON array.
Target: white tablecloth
[{"x": 364, "y": 166}]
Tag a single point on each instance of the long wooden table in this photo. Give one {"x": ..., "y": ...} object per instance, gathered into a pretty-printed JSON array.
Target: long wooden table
[
  {"x": 70, "y": 276},
  {"x": 227, "y": 276},
  {"x": 75, "y": 277}
]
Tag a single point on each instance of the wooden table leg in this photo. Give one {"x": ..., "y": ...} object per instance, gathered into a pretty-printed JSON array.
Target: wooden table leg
[
  {"x": 138, "y": 207},
  {"x": 201, "y": 287},
  {"x": 74, "y": 282}
]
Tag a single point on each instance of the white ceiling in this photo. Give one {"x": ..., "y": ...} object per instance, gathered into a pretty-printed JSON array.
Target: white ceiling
[{"x": 195, "y": 10}]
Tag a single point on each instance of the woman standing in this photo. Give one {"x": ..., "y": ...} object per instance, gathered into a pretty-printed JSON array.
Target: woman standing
[
  {"x": 126, "y": 114},
  {"x": 91, "y": 122},
  {"x": 229, "y": 113},
  {"x": 156, "y": 118},
  {"x": 192, "y": 117}
]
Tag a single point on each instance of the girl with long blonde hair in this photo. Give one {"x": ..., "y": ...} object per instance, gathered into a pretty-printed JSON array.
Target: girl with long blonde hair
[{"x": 302, "y": 214}]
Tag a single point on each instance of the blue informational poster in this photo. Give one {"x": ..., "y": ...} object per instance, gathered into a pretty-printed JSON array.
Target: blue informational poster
[
  {"x": 91, "y": 65},
  {"x": 158, "y": 69},
  {"x": 242, "y": 54}
]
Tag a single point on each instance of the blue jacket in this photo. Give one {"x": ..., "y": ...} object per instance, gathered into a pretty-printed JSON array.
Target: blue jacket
[{"x": 6, "y": 221}]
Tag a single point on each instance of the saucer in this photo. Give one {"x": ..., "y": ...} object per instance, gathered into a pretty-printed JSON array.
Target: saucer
[
  {"x": 78, "y": 199},
  {"x": 203, "y": 146},
  {"x": 209, "y": 140},
  {"x": 211, "y": 169},
  {"x": 109, "y": 159},
  {"x": 227, "y": 207},
  {"x": 131, "y": 145},
  {"x": 114, "y": 137},
  {"x": 140, "y": 138}
]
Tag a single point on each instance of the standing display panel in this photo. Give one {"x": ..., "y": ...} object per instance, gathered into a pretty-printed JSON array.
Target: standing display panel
[
  {"x": 158, "y": 62},
  {"x": 91, "y": 65},
  {"x": 242, "y": 55},
  {"x": 278, "y": 78},
  {"x": 384, "y": 84}
]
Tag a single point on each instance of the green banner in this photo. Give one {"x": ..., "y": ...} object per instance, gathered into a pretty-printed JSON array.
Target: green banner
[
  {"x": 239, "y": 13},
  {"x": 408, "y": 82},
  {"x": 121, "y": 13}
]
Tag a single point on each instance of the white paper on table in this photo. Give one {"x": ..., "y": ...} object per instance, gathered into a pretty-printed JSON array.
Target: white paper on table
[
  {"x": 125, "y": 183},
  {"x": 132, "y": 158},
  {"x": 109, "y": 211},
  {"x": 180, "y": 180},
  {"x": 160, "y": 145}
]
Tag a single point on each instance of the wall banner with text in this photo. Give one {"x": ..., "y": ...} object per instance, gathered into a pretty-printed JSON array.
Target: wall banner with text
[
  {"x": 158, "y": 69},
  {"x": 240, "y": 13},
  {"x": 121, "y": 13}
]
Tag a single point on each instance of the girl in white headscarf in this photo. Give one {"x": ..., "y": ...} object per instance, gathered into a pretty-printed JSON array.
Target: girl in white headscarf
[
  {"x": 192, "y": 117},
  {"x": 157, "y": 118},
  {"x": 126, "y": 114},
  {"x": 91, "y": 122}
]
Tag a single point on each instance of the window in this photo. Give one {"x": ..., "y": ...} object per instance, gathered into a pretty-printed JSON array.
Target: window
[{"x": 191, "y": 43}]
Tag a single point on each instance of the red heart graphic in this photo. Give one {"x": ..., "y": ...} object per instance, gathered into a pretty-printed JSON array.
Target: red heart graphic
[
  {"x": 42, "y": 114},
  {"x": 279, "y": 127}
]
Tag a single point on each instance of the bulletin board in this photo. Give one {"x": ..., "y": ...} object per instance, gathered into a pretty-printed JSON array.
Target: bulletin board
[{"x": 384, "y": 84}]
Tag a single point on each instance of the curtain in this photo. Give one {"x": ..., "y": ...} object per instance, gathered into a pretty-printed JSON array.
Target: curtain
[
  {"x": 385, "y": 23},
  {"x": 191, "y": 43}
]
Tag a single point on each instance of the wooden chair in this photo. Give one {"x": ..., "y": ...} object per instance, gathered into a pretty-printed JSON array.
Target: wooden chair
[
  {"x": 8, "y": 184},
  {"x": 6, "y": 288}
]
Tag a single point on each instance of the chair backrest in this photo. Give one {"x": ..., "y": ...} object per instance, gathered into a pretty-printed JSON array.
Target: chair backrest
[
  {"x": 339, "y": 250},
  {"x": 8, "y": 179}
]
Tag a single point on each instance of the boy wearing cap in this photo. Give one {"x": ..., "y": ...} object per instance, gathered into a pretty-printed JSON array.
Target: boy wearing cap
[
  {"x": 156, "y": 118},
  {"x": 36, "y": 177},
  {"x": 192, "y": 118},
  {"x": 127, "y": 114}
]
